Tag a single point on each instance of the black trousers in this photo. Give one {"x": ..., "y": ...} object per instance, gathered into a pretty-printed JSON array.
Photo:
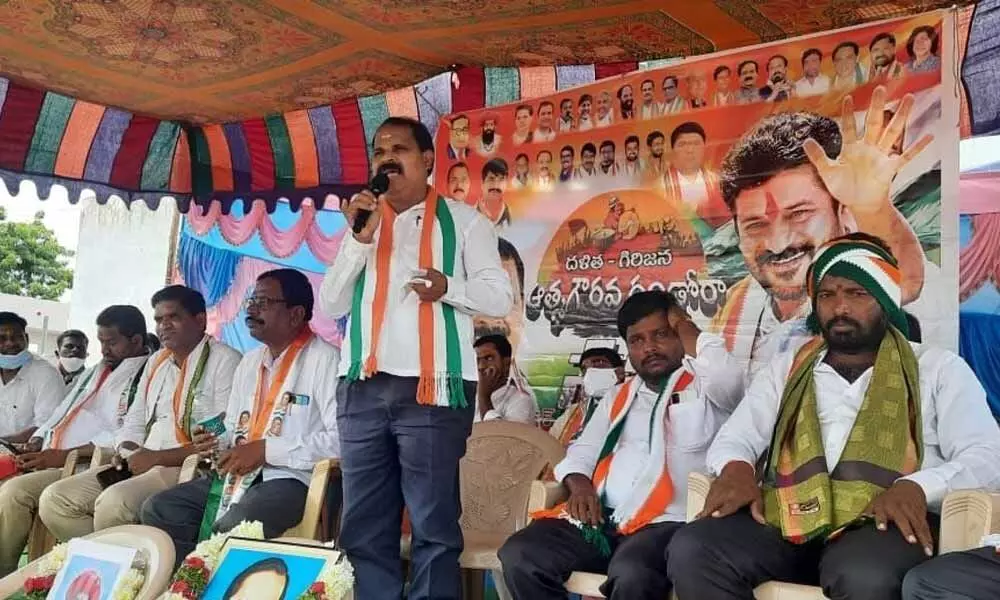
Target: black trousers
[
  {"x": 277, "y": 503},
  {"x": 394, "y": 450},
  {"x": 972, "y": 575},
  {"x": 539, "y": 559},
  {"x": 725, "y": 559}
]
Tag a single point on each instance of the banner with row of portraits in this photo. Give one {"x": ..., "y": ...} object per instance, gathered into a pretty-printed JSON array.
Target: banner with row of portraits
[{"x": 717, "y": 178}]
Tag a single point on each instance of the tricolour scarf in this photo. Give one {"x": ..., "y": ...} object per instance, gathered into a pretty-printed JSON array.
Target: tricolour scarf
[
  {"x": 75, "y": 405},
  {"x": 579, "y": 415},
  {"x": 801, "y": 496},
  {"x": 227, "y": 490},
  {"x": 437, "y": 329},
  {"x": 183, "y": 394},
  {"x": 653, "y": 490},
  {"x": 865, "y": 263}
]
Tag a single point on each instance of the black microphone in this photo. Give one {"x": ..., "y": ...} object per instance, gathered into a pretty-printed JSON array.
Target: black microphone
[{"x": 378, "y": 186}]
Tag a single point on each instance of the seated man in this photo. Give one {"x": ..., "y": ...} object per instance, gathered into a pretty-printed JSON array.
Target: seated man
[
  {"x": 499, "y": 394},
  {"x": 86, "y": 418},
  {"x": 852, "y": 438},
  {"x": 71, "y": 354},
  {"x": 602, "y": 369},
  {"x": 290, "y": 377},
  {"x": 971, "y": 575},
  {"x": 186, "y": 382},
  {"x": 627, "y": 473},
  {"x": 30, "y": 388}
]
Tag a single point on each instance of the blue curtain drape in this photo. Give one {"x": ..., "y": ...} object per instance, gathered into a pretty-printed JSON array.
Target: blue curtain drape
[
  {"x": 979, "y": 345},
  {"x": 206, "y": 268}
]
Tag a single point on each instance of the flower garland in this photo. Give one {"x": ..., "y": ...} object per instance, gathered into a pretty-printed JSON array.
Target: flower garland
[
  {"x": 334, "y": 583},
  {"x": 190, "y": 581},
  {"x": 192, "y": 577},
  {"x": 38, "y": 585}
]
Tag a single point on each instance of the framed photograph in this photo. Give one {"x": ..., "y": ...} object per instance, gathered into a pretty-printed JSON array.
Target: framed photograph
[
  {"x": 92, "y": 571},
  {"x": 266, "y": 570}
]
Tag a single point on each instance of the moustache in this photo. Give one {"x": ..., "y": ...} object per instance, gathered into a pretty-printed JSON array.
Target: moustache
[
  {"x": 253, "y": 321},
  {"x": 494, "y": 190},
  {"x": 841, "y": 320},
  {"x": 654, "y": 357},
  {"x": 390, "y": 167},
  {"x": 767, "y": 257}
]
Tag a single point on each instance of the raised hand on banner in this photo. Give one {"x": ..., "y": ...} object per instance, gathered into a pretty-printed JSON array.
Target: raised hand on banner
[
  {"x": 860, "y": 178},
  {"x": 240, "y": 460}
]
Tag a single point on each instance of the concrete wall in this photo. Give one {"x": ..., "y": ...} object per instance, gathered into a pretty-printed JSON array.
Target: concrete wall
[{"x": 121, "y": 258}]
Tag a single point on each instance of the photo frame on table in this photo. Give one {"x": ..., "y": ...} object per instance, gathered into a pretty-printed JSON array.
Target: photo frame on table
[
  {"x": 92, "y": 571},
  {"x": 272, "y": 570}
]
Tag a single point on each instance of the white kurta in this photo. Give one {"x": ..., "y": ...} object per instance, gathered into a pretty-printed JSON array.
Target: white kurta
[{"x": 961, "y": 438}]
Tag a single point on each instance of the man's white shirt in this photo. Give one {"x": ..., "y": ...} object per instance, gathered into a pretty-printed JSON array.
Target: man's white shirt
[
  {"x": 819, "y": 85},
  {"x": 694, "y": 193},
  {"x": 512, "y": 402},
  {"x": 30, "y": 398},
  {"x": 309, "y": 427},
  {"x": 961, "y": 438},
  {"x": 210, "y": 397},
  {"x": 544, "y": 136},
  {"x": 97, "y": 421},
  {"x": 690, "y": 427},
  {"x": 480, "y": 286}
]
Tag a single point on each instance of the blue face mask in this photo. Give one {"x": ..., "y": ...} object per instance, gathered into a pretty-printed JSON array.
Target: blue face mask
[{"x": 10, "y": 362}]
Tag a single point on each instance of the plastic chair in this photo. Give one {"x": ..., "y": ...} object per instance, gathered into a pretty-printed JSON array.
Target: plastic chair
[
  {"x": 309, "y": 526},
  {"x": 157, "y": 545},
  {"x": 966, "y": 516},
  {"x": 501, "y": 462}
]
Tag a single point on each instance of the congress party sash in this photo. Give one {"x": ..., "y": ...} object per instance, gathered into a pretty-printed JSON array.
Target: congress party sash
[
  {"x": 229, "y": 489},
  {"x": 73, "y": 408}
]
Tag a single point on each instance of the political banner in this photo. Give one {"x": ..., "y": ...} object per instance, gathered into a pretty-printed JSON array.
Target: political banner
[{"x": 717, "y": 178}]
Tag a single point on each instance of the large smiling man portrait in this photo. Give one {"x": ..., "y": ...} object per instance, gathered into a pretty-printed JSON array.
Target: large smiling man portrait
[{"x": 795, "y": 181}]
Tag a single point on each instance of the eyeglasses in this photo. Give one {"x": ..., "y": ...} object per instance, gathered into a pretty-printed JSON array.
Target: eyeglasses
[{"x": 262, "y": 302}]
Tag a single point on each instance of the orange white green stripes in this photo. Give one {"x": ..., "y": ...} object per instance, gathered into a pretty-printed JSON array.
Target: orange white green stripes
[
  {"x": 654, "y": 490},
  {"x": 440, "y": 350}
]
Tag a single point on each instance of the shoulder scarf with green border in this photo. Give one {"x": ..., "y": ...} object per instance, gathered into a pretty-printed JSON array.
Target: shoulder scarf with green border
[
  {"x": 653, "y": 490},
  {"x": 801, "y": 496},
  {"x": 440, "y": 346},
  {"x": 227, "y": 490}
]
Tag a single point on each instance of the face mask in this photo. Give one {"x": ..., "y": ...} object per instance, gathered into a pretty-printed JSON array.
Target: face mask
[
  {"x": 10, "y": 362},
  {"x": 597, "y": 382},
  {"x": 71, "y": 364}
]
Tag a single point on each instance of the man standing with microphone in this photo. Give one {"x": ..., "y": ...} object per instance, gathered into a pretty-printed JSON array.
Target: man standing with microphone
[{"x": 411, "y": 274}]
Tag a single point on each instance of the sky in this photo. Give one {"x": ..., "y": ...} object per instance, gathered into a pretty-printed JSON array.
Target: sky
[{"x": 60, "y": 216}]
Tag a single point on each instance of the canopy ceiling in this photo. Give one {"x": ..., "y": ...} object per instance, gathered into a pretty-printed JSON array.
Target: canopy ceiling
[{"x": 228, "y": 60}]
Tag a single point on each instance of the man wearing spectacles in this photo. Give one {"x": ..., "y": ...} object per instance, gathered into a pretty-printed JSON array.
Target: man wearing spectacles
[
  {"x": 411, "y": 278},
  {"x": 283, "y": 405}
]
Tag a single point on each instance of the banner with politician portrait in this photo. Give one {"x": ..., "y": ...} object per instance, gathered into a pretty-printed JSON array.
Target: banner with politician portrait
[{"x": 717, "y": 178}]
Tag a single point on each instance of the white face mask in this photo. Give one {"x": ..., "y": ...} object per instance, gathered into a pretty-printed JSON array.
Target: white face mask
[
  {"x": 71, "y": 364},
  {"x": 597, "y": 382}
]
